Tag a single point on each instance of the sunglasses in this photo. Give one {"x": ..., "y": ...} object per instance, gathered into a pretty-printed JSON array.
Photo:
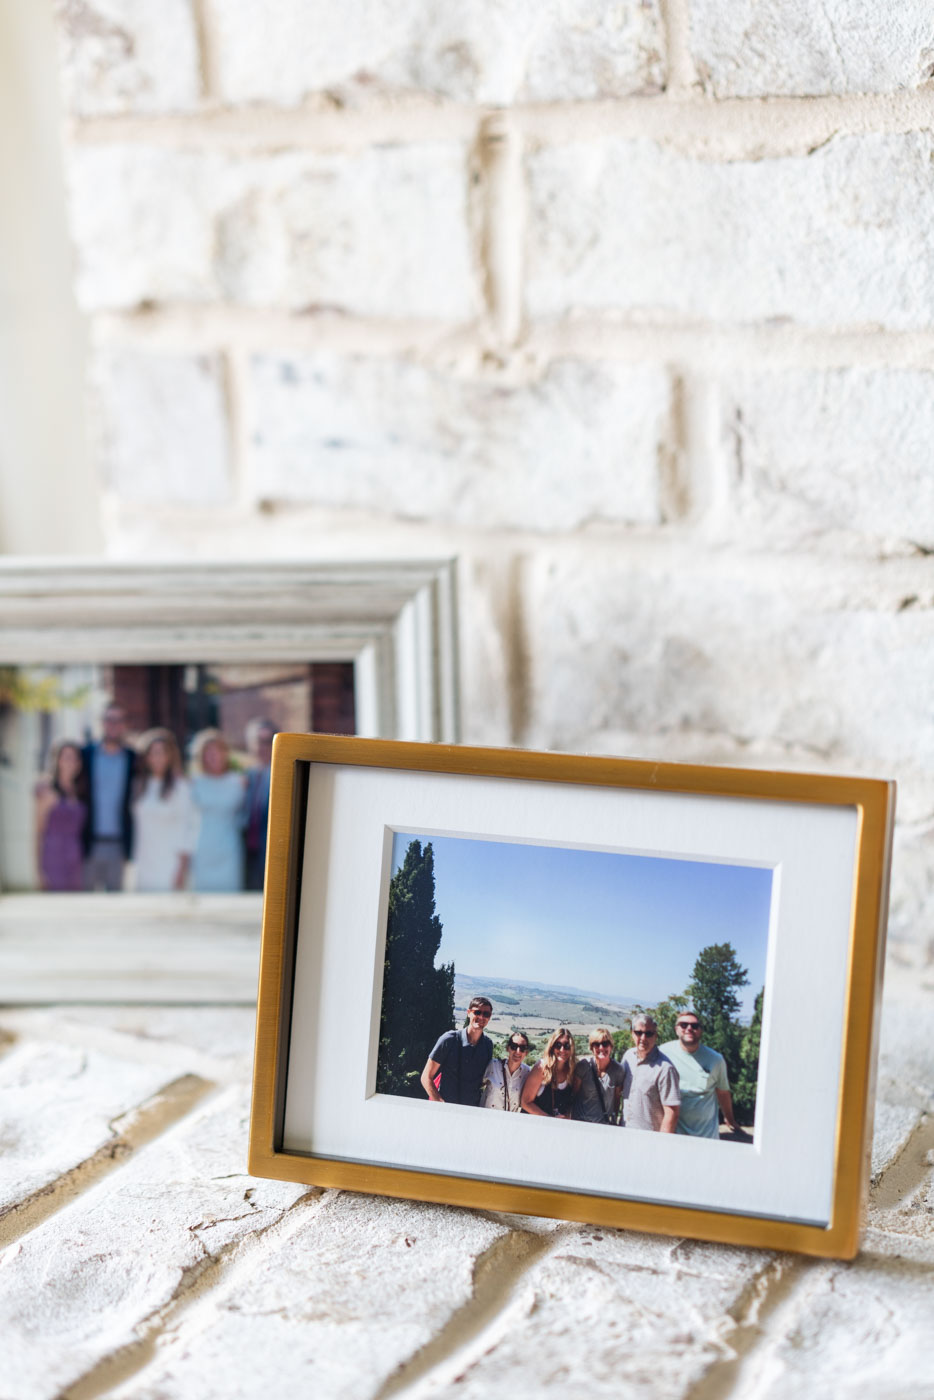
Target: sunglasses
[
  {"x": 562, "y": 1045},
  {"x": 648, "y": 1034},
  {"x": 601, "y": 1045},
  {"x": 688, "y": 1026},
  {"x": 481, "y": 1015},
  {"x": 522, "y": 1049}
]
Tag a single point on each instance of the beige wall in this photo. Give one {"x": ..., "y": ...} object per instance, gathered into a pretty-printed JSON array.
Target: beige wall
[{"x": 48, "y": 485}]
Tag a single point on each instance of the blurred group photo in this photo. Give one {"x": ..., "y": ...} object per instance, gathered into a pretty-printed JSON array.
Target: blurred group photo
[{"x": 150, "y": 778}]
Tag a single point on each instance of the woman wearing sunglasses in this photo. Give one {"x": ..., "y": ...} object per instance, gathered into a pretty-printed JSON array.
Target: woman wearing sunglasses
[
  {"x": 598, "y": 1081},
  {"x": 549, "y": 1089},
  {"x": 505, "y": 1079}
]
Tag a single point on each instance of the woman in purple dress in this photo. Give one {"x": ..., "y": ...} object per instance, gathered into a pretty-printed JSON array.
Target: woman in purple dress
[{"x": 61, "y": 811}]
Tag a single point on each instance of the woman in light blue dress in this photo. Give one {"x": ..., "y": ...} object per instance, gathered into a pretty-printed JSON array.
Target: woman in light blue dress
[{"x": 218, "y": 794}]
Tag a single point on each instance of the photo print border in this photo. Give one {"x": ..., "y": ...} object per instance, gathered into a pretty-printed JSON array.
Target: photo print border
[{"x": 828, "y": 841}]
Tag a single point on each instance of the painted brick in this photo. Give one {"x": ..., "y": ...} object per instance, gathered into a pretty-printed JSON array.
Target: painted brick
[
  {"x": 580, "y": 443},
  {"x": 339, "y": 1305},
  {"x": 477, "y": 51},
  {"x": 58, "y": 1105},
  {"x": 856, "y": 1327},
  {"x": 290, "y": 231},
  {"x": 88, "y": 1280},
  {"x": 662, "y": 641},
  {"x": 609, "y": 1319},
  {"x": 128, "y": 56},
  {"x": 839, "y": 235},
  {"x": 753, "y": 48},
  {"x": 848, "y": 450},
  {"x": 162, "y": 427}
]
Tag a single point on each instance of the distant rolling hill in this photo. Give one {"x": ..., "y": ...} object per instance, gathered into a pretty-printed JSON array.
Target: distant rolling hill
[{"x": 538, "y": 1006}]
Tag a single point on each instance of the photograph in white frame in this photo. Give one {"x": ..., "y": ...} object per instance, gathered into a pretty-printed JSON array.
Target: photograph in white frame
[
  {"x": 394, "y": 622},
  {"x": 332, "y": 1109}
]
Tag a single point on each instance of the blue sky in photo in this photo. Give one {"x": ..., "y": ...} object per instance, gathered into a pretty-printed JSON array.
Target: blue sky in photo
[{"x": 626, "y": 926}]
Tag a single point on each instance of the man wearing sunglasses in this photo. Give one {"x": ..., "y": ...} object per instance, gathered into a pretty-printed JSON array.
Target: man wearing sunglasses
[
  {"x": 598, "y": 1081},
  {"x": 505, "y": 1079},
  {"x": 459, "y": 1059},
  {"x": 651, "y": 1093},
  {"x": 705, "y": 1089}
]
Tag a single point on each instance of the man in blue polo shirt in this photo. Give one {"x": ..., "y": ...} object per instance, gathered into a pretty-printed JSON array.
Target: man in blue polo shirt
[{"x": 461, "y": 1058}]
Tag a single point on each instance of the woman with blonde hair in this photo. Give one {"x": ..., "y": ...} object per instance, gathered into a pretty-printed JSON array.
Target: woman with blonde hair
[
  {"x": 219, "y": 795},
  {"x": 164, "y": 820},
  {"x": 549, "y": 1089},
  {"x": 61, "y": 813}
]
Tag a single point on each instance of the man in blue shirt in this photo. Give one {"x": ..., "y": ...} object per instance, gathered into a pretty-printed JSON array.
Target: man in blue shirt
[
  {"x": 705, "y": 1089},
  {"x": 461, "y": 1058},
  {"x": 108, "y": 831}
]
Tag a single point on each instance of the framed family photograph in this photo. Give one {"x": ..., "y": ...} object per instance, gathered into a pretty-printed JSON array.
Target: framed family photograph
[
  {"x": 137, "y": 708},
  {"x": 626, "y": 993}
]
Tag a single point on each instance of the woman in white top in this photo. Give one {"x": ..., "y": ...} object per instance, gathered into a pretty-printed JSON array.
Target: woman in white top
[
  {"x": 505, "y": 1079},
  {"x": 164, "y": 820}
]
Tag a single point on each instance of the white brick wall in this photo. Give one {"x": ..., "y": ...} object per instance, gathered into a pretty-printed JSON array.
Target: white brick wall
[
  {"x": 580, "y": 443},
  {"x": 822, "y": 239},
  {"x": 753, "y": 48},
  {"x": 381, "y": 232},
  {"x": 162, "y": 427},
  {"x": 129, "y": 56}
]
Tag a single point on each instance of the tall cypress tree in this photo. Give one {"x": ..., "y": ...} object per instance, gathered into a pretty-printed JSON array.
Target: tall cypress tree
[{"x": 418, "y": 998}]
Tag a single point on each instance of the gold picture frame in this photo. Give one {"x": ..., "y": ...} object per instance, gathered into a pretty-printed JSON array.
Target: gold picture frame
[{"x": 336, "y": 806}]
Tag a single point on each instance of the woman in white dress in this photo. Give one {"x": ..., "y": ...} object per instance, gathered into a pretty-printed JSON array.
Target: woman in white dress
[
  {"x": 218, "y": 794},
  {"x": 164, "y": 819}
]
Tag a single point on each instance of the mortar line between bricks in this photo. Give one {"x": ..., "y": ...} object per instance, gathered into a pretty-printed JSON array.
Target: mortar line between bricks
[
  {"x": 737, "y": 128},
  {"x": 706, "y": 346},
  {"x": 762, "y": 1315},
  {"x": 682, "y": 74},
  {"x": 497, "y": 1276},
  {"x": 903, "y": 1176},
  {"x": 197, "y": 1285},
  {"x": 142, "y": 1125}
]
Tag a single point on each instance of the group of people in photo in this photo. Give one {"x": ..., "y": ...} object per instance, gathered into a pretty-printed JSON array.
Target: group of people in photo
[
  {"x": 107, "y": 803},
  {"x": 678, "y": 1087}
]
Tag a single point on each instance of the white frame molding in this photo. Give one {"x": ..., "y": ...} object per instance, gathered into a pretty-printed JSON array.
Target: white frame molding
[{"x": 395, "y": 620}]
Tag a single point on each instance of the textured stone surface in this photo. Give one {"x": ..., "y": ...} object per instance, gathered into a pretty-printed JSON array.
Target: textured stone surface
[
  {"x": 291, "y": 231},
  {"x": 859, "y": 1327},
  {"x": 162, "y": 426},
  {"x": 580, "y": 443},
  {"x": 58, "y": 1106},
  {"x": 608, "y": 1313},
  {"x": 837, "y": 236},
  {"x": 128, "y": 55},
  {"x": 668, "y": 640},
  {"x": 88, "y": 1281},
  {"x": 477, "y": 51},
  {"x": 844, "y": 450},
  {"x": 753, "y": 48},
  {"x": 177, "y": 1276},
  {"x": 893, "y": 1126},
  {"x": 340, "y": 1305}
]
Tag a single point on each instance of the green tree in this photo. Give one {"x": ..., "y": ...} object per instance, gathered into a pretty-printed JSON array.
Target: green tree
[
  {"x": 716, "y": 978},
  {"x": 744, "y": 1087},
  {"x": 418, "y": 998}
]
